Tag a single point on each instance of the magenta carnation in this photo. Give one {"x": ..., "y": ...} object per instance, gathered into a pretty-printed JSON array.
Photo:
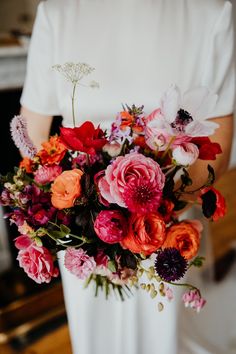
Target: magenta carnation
[
  {"x": 110, "y": 226},
  {"x": 133, "y": 181},
  {"x": 37, "y": 262},
  {"x": 79, "y": 263},
  {"x": 46, "y": 174}
]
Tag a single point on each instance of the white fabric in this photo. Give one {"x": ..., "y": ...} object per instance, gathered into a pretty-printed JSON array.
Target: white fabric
[{"x": 139, "y": 48}]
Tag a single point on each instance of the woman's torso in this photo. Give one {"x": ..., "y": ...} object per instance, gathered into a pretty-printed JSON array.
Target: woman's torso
[{"x": 138, "y": 49}]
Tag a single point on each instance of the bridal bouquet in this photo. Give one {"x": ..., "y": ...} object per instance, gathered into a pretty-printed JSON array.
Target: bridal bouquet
[{"x": 111, "y": 199}]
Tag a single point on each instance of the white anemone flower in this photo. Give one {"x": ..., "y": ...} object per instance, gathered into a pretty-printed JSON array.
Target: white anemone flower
[{"x": 187, "y": 114}]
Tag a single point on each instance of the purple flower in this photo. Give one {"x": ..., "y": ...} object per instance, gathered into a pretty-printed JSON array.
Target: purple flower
[
  {"x": 21, "y": 138},
  {"x": 170, "y": 265}
]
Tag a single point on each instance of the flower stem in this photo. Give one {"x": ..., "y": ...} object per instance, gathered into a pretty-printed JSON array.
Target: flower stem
[
  {"x": 73, "y": 103},
  {"x": 167, "y": 148}
]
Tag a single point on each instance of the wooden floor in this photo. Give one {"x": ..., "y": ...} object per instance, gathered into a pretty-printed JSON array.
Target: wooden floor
[
  {"x": 223, "y": 235},
  {"x": 56, "y": 342}
]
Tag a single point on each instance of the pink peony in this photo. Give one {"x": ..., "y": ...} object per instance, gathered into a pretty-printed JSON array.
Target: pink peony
[
  {"x": 46, "y": 174},
  {"x": 110, "y": 226},
  {"x": 133, "y": 181},
  {"x": 79, "y": 263},
  {"x": 37, "y": 262},
  {"x": 192, "y": 298}
]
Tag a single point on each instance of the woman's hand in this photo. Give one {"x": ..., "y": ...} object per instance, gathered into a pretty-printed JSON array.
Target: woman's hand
[{"x": 38, "y": 126}]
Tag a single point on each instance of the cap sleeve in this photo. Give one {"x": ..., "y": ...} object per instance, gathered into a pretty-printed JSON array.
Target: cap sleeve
[
  {"x": 39, "y": 92},
  {"x": 219, "y": 71}
]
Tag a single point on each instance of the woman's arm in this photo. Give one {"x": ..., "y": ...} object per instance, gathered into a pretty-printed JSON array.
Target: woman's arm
[
  {"x": 38, "y": 126},
  {"x": 224, "y": 136}
]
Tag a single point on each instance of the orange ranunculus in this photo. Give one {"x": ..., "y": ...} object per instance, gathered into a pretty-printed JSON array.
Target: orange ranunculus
[
  {"x": 66, "y": 188},
  {"x": 27, "y": 164},
  {"x": 185, "y": 237},
  {"x": 53, "y": 151},
  {"x": 146, "y": 233}
]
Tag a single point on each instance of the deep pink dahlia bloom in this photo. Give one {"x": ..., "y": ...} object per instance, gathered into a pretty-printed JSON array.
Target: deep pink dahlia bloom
[
  {"x": 110, "y": 226},
  {"x": 79, "y": 263}
]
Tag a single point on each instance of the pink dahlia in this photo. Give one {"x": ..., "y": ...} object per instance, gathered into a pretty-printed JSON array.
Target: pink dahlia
[
  {"x": 46, "y": 174},
  {"x": 37, "y": 262},
  {"x": 133, "y": 181},
  {"x": 141, "y": 196},
  {"x": 110, "y": 226},
  {"x": 79, "y": 263}
]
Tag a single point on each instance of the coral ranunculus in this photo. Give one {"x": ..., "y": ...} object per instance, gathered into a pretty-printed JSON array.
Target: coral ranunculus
[
  {"x": 184, "y": 236},
  {"x": 53, "y": 151},
  {"x": 37, "y": 262},
  {"x": 110, "y": 226},
  {"x": 133, "y": 181},
  {"x": 146, "y": 234},
  {"x": 66, "y": 188},
  {"x": 84, "y": 138}
]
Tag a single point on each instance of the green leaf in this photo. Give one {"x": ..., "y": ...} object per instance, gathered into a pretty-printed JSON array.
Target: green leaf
[
  {"x": 186, "y": 180},
  {"x": 211, "y": 176},
  {"x": 38, "y": 241},
  {"x": 56, "y": 234},
  {"x": 198, "y": 261},
  {"x": 64, "y": 229},
  {"x": 179, "y": 205},
  {"x": 112, "y": 266}
]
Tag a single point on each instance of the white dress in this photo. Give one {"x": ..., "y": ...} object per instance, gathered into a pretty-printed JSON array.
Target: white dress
[{"x": 138, "y": 48}]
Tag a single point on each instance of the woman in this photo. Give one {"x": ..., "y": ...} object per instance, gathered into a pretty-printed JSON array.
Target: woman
[{"x": 138, "y": 49}]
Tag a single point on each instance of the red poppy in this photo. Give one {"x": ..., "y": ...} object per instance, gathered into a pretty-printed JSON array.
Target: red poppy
[
  {"x": 213, "y": 203},
  {"x": 207, "y": 149},
  {"x": 84, "y": 138}
]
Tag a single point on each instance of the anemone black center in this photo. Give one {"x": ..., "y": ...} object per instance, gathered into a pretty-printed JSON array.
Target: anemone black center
[{"x": 182, "y": 120}]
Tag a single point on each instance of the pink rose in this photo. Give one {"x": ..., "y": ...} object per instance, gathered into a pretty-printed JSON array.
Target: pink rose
[
  {"x": 185, "y": 154},
  {"x": 46, "y": 174},
  {"x": 110, "y": 226},
  {"x": 133, "y": 181},
  {"x": 79, "y": 263},
  {"x": 37, "y": 262}
]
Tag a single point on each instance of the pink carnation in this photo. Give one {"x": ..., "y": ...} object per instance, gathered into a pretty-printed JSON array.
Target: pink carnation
[
  {"x": 133, "y": 181},
  {"x": 79, "y": 263},
  {"x": 110, "y": 226},
  {"x": 192, "y": 298},
  {"x": 37, "y": 262},
  {"x": 46, "y": 174}
]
